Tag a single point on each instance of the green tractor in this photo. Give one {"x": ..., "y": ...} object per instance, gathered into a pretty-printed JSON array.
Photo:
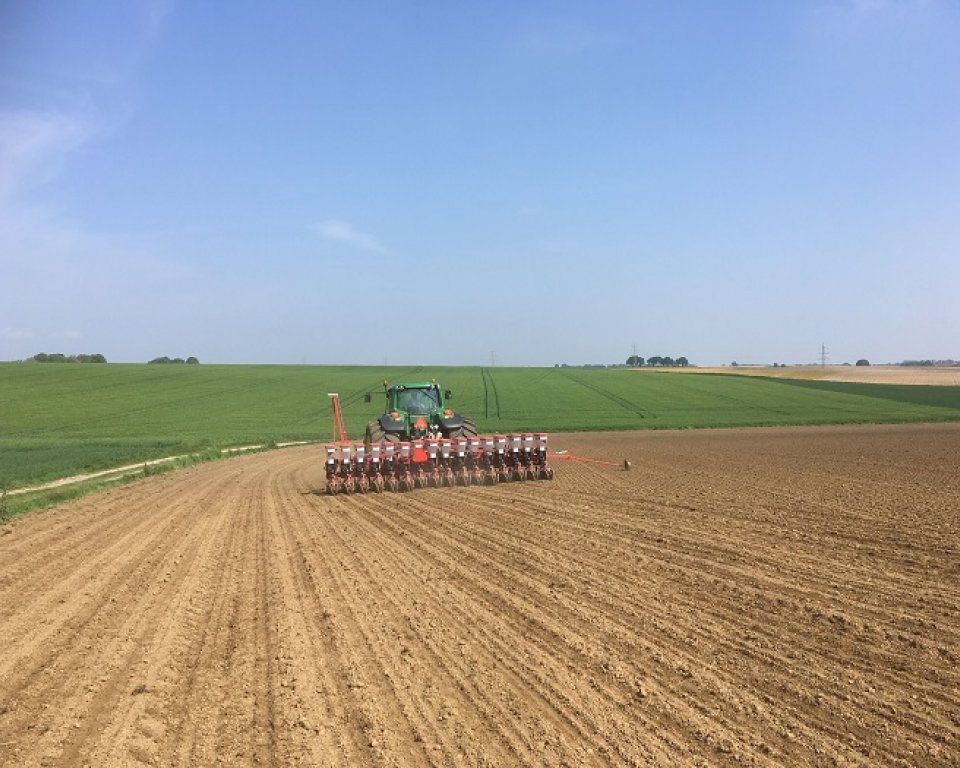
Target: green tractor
[{"x": 416, "y": 410}]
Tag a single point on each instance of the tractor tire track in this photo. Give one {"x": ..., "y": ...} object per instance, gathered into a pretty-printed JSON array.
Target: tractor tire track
[
  {"x": 496, "y": 394},
  {"x": 627, "y": 405},
  {"x": 486, "y": 395},
  {"x": 489, "y": 385}
]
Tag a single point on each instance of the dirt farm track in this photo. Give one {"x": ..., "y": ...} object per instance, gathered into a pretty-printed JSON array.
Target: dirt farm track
[{"x": 749, "y": 597}]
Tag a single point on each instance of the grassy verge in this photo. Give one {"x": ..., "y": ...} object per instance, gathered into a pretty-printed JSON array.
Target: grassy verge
[{"x": 13, "y": 506}]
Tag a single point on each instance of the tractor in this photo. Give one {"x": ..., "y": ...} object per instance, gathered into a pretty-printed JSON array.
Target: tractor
[
  {"x": 420, "y": 443},
  {"x": 416, "y": 410}
]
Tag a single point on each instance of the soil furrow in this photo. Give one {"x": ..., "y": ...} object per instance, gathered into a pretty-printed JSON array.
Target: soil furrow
[{"x": 441, "y": 600}]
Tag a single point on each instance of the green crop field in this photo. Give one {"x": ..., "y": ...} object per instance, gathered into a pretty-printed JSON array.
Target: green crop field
[{"x": 62, "y": 419}]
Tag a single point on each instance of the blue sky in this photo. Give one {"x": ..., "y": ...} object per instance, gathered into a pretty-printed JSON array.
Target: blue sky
[{"x": 446, "y": 182}]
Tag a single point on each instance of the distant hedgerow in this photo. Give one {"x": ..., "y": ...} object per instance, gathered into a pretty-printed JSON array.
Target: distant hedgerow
[
  {"x": 43, "y": 357},
  {"x": 174, "y": 361}
]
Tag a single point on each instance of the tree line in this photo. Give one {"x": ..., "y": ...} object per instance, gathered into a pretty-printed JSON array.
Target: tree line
[
  {"x": 43, "y": 357},
  {"x": 929, "y": 363},
  {"x": 635, "y": 361},
  {"x": 174, "y": 361}
]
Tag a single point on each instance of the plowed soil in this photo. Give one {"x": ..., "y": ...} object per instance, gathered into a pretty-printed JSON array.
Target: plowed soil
[{"x": 751, "y": 597}]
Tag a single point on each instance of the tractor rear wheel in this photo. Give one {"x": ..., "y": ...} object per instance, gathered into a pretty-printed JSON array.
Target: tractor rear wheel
[{"x": 466, "y": 429}]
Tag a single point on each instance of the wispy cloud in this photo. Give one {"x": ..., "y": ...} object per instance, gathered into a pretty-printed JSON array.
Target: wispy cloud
[
  {"x": 869, "y": 6},
  {"x": 155, "y": 15},
  {"x": 564, "y": 37},
  {"x": 83, "y": 99},
  {"x": 33, "y": 145},
  {"x": 341, "y": 232}
]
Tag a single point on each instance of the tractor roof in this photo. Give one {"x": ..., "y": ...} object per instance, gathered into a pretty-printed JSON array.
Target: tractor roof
[{"x": 414, "y": 385}]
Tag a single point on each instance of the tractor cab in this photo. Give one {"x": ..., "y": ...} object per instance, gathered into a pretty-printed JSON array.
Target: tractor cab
[
  {"x": 415, "y": 410},
  {"x": 420, "y": 399}
]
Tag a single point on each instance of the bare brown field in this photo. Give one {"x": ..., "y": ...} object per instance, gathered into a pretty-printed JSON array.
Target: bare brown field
[
  {"x": 747, "y": 597},
  {"x": 867, "y": 374}
]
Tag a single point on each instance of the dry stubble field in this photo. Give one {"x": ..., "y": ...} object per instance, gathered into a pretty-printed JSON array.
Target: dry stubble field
[
  {"x": 748, "y": 597},
  {"x": 868, "y": 374}
]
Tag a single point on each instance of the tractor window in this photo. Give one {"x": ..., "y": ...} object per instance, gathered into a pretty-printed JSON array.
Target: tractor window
[{"x": 420, "y": 401}]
